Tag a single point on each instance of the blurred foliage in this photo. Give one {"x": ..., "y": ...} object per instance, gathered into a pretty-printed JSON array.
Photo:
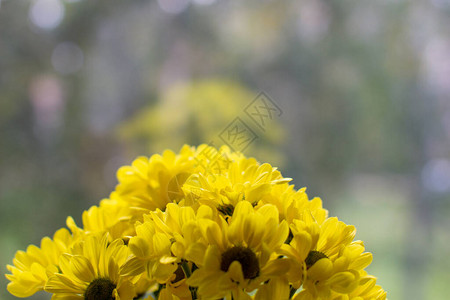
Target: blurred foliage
[{"x": 196, "y": 113}]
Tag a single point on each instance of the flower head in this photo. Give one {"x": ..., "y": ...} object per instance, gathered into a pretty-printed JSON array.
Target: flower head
[
  {"x": 91, "y": 270},
  {"x": 241, "y": 255},
  {"x": 32, "y": 268},
  {"x": 325, "y": 257}
]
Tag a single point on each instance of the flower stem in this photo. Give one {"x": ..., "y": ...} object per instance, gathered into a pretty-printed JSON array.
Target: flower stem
[
  {"x": 187, "y": 273},
  {"x": 186, "y": 269}
]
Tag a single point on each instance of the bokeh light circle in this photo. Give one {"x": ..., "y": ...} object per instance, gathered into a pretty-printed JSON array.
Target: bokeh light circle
[{"x": 46, "y": 14}]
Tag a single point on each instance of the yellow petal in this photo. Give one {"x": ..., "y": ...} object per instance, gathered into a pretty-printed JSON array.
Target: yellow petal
[
  {"x": 197, "y": 277},
  {"x": 66, "y": 297},
  {"x": 211, "y": 232},
  {"x": 165, "y": 294},
  {"x": 126, "y": 290},
  {"x": 59, "y": 283},
  {"x": 362, "y": 261},
  {"x": 91, "y": 250},
  {"x": 133, "y": 267},
  {"x": 281, "y": 234},
  {"x": 82, "y": 268},
  {"x": 145, "y": 230},
  {"x": 178, "y": 249},
  {"x": 302, "y": 242},
  {"x": 21, "y": 289},
  {"x": 139, "y": 247},
  {"x": 235, "y": 272},
  {"x": 64, "y": 263},
  {"x": 167, "y": 259},
  {"x": 321, "y": 269},
  {"x": 277, "y": 288},
  {"x": 243, "y": 208},
  {"x": 161, "y": 244},
  {"x": 196, "y": 253},
  {"x": 239, "y": 294},
  {"x": 276, "y": 267},
  {"x": 162, "y": 272},
  {"x": 212, "y": 258},
  {"x": 290, "y": 252},
  {"x": 113, "y": 270},
  {"x": 304, "y": 295},
  {"x": 343, "y": 282},
  {"x": 205, "y": 212}
]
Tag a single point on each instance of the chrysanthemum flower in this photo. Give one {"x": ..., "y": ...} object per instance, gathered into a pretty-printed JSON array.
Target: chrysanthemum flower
[
  {"x": 151, "y": 254},
  {"x": 181, "y": 225},
  {"x": 91, "y": 271},
  {"x": 293, "y": 203},
  {"x": 145, "y": 184},
  {"x": 32, "y": 268},
  {"x": 325, "y": 258},
  {"x": 241, "y": 256},
  {"x": 243, "y": 179},
  {"x": 164, "y": 243},
  {"x": 366, "y": 290},
  {"x": 111, "y": 216}
]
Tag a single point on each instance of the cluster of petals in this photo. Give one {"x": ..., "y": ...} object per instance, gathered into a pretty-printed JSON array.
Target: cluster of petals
[{"x": 204, "y": 223}]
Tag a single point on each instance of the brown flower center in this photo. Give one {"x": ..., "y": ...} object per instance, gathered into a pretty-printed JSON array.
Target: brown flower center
[
  {"x": 179, "y": 274},
  {"x": 246, "y": 257},
  {"x": 100, "y": 289},
  {"x": 226, "y": 209}
]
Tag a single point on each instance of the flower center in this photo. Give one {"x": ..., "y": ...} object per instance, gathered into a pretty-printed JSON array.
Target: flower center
[
  {"x": 246, "y": 257},
  {"x": 313, "y": 257},
  {"x": 179, "y": 274},
  {"x": 226, "y": 209},
  {"x": 100, "y": 289}
]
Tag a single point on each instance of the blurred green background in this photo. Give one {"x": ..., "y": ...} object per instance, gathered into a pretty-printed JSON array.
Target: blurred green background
[{"x": 362, "y": 88}]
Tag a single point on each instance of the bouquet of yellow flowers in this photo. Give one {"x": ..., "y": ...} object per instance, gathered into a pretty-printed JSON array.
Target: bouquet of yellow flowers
[{"x": 206, "y": 223}]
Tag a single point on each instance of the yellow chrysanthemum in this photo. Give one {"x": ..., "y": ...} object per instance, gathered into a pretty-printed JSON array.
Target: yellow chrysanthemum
[
  {"x": 32, "y": 268},
  {"x": 325, "y": 258},
  {"x": 163, "y": 241},
  {"x": 152, "y": 183},
  {"x": 293, "y": 203},
  {"x": 366, "y": 290},
  {"x": 240, "y": 256},
  {"x": 242, "y": 179},
  {"x": 112, "y": 216},
  {"x": 151, "y": 254},
  {"x": 181, "y": 225},
  {"x": 145, "y": 184},
  {"x": 91, "y": 271}
]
